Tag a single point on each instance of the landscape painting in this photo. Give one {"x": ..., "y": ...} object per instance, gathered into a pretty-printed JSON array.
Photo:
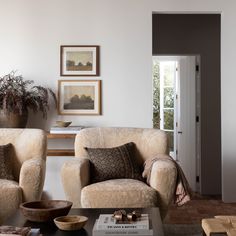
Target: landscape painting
[
  {"x": 79, "y": 60},
  {"x": 79, "y": 97}
]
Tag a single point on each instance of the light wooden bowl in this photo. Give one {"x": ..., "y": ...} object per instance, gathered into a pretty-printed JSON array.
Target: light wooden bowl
[
  {"x": 61, "y": 123},
  {"x": 71, "y": 222}
]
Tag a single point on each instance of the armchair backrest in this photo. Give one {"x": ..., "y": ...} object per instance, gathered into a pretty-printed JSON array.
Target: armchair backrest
[
  {"x": 149, "y": 142},
  {"x": 27, "y": 144}
]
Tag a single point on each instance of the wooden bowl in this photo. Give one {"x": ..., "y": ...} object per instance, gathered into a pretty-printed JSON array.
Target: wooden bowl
[
  {"x": 71, "y": 222},
  {"x": 41, "y": 211},
  {"x": 61, "y": 123}
]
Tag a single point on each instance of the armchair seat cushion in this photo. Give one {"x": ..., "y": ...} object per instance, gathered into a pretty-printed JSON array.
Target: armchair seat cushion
[
  {"x": 10, "y": 197},
  {"x": 118, "y": 193}
]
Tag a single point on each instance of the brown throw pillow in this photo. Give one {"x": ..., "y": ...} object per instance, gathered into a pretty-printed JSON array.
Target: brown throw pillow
[
  {"x": 114, "y": 163},
  {"x": 5, "y": 162}
]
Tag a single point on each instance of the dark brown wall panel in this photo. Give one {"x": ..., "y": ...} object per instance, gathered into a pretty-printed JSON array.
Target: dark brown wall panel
[{"x": 177, "y": 34}]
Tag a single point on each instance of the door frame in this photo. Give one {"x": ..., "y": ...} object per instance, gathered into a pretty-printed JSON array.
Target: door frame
[{"x": 197, "y": 165}]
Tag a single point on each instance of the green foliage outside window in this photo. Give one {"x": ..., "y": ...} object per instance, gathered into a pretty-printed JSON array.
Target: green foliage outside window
[
  {"x": 169, "y": 119},
  {"x": 168, "y": 99},
  {"x": 156, "y": 95}
]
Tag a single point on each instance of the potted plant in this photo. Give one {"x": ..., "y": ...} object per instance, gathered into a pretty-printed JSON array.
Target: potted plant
[{"x": 17, "y": 96}]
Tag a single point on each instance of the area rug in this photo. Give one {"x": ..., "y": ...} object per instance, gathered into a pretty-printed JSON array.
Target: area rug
[{"x": 182, "y": 229}]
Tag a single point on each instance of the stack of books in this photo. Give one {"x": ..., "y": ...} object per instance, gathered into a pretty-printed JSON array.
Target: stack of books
[
  {"x": 107, "y": 225},
  {"x": 18, "y": 231},
  {"x": 65, "y": 130}
]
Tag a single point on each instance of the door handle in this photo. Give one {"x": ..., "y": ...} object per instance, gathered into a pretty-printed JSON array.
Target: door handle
[{"x": 180, "y": 132}]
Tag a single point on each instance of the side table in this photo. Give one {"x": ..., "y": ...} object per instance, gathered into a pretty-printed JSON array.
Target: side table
[
  {"x": 60, "y": 152},
  {"x": 220, "y": 225}
]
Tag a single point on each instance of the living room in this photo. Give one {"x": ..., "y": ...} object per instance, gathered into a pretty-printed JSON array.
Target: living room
[{"x": 32, "y": 33}]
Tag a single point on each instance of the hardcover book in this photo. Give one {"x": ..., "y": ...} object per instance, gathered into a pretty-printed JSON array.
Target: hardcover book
[
  {"x": 65, "y": 130},
  {"x": 106, "y": 221},
  {"x": 6, "y": 230},
  {"x": 120, "y": 231}
]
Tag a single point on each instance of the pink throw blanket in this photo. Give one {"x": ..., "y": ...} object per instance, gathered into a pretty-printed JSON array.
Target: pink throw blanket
[{"x": 182, "y": 188}]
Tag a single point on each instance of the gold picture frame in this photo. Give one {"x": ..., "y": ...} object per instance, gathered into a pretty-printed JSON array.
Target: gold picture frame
[{"x": 79, "y": 97}]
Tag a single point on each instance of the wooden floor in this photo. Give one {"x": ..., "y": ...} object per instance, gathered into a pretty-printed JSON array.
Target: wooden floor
[{"x": 198, "y": 208}]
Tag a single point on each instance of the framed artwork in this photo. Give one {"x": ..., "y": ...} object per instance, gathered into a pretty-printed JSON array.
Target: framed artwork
[
  {"x": 81, "y": 60},
  {"x": 79, "y": 97}
]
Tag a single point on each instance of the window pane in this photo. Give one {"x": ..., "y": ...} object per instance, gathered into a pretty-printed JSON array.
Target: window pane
[
  {"x": 171, "y": 141},
  {"x": 169, "y": 119},
  {"x": 156, "y": 120},
  {"x": 168, "y": 98},
  {"x": 156, "y": 94},
  {"x": 169, "y": 73}
]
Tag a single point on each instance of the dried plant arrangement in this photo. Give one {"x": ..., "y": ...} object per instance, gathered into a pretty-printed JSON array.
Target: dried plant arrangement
[{"x": 18, "y": 95}]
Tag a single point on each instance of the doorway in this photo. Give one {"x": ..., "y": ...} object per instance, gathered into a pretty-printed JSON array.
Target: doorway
[
  {"x": 198, "y": 34},
  {"x": 176, "y": 109}
]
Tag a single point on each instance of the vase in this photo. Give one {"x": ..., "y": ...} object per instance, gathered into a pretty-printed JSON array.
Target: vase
[{"x": 13, "y": 120}]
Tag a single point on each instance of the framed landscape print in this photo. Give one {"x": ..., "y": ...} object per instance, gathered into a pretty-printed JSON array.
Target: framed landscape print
[
  {"x": 79, "y": 97},
  {"x": 79, "y": 60}
]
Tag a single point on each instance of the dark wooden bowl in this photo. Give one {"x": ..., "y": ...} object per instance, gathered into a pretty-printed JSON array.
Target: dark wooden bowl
[{"x": 41, "y": 211}]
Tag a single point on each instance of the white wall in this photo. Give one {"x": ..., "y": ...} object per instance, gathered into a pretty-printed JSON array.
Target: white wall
[
  {"x": 31, "y": 35},
  {"x": 32, "y": 31}
]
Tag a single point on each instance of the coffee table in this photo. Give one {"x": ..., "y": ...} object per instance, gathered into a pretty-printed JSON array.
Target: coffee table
[{"x": 49, "y": 229}]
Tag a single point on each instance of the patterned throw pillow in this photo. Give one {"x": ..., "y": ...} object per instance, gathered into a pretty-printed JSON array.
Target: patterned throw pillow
[
  {"x": 5, "y": 162},
  {"x": 114, "y": 163}
]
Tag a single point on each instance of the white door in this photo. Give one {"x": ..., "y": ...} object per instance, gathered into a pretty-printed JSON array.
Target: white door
[
  {"x": 178, "y": 110},
  {"x": 186, "y": 118}
]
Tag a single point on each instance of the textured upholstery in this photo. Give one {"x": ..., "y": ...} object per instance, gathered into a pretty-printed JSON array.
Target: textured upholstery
[
  {"x": 75, "y": 175},
  {"x": 29, "y": 156},
  {"x": 10, "y": 197},
  {"x": 149, "y": 142},
  {"x": 120, "y": 193}
]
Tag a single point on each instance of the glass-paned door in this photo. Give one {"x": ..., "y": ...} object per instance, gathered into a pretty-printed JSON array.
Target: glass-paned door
[
  {"x": 174, "y": 108},
  {"x": 164, "y": 96}
]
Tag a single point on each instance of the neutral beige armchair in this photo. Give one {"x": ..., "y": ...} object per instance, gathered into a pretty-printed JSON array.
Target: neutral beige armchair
[
  {"x": 120, "y": 193},
  {"x": 28, "y": 156}
]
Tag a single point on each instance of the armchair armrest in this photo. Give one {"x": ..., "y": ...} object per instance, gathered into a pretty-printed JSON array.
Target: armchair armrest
[
  {"x": 32, "y": 176},
  {"x": 163, "y": 179},
  {"x": 75, "y": 175}
]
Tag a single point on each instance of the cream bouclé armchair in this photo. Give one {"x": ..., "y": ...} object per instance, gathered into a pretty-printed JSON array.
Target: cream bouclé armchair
[
  {"x": 28, "y": 163},
  {"x": 120, "y": 193}
]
